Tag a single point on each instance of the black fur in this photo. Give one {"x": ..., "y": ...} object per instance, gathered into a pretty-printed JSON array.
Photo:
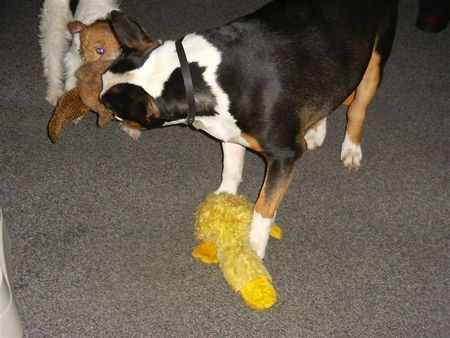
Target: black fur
[
  {"x": 73, "y": 6},
  {"x": 127, "y": 101},
  {"x": 293, "y": 62},
  {"x": 131, "y": 103},
  {"x": 173, "y": 102},
  {"x": 131, "y": 61},
  {"x": 130, "y": 40},
  {"x": 284, "y": 67}
]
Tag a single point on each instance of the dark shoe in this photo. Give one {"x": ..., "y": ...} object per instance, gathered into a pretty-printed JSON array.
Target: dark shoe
[
  {"x": 433, "y": 15},
  {"x": 432, "y": 24}
]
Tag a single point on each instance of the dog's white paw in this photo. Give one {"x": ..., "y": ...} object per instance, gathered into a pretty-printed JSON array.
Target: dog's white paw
[
  {"x": 352, "y": 159},
  {"x": 222, "y": 189},
  {"x": 258, "y": 243},
  {"x": 228, "y": 187},
  {"x": 259, "y": 234},
  {"x": 132, "y": 132},
  {"x": 316, "y": 135},
  {"x": 53, "y": 96},
  {"x": 351, "y": 154}
]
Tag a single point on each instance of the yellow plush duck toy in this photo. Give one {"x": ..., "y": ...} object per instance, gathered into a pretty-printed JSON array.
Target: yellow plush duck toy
[{"x": 222, "y": 227}]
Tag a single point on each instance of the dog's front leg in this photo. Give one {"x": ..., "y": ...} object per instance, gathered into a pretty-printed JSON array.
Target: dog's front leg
[
  {"x": 276, "y": 181},
  {"x": 233, "y": 163},
  {"x": 55, "y": 15}
]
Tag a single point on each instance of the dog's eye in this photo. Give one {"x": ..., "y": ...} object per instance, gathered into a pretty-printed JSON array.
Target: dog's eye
[{"x": 100, "y": 50}]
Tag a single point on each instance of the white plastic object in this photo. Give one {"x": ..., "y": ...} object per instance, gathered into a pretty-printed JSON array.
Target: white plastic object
[{"x": 10, "y": 324}]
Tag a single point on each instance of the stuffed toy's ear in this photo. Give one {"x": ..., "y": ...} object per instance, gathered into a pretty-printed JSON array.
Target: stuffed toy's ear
[
  {"x": 76, "y": 26},
  {"x": 69, "y": 108},
  {"x": 132, "y": 37}
]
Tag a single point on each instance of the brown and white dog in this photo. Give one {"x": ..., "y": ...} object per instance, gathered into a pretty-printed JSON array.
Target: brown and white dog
[{"x": 265, "y": 81}]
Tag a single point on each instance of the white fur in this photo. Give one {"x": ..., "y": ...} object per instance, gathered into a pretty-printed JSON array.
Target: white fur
[
  {"x": 132, "y": 132},
  {"x": 163, "y": 61},
  {"x": 259, "y": 233},
  {"x": 233, "y": 164},
  {"x": 153, "y": 74},
  {"x": 59, "y": 60},
  {"x": 351, "y": 154},
  {"x": 315, "y": 137}
]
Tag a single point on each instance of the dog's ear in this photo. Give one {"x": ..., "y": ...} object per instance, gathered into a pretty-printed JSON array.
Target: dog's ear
[
  {"x": 76, "y": 26},
  {"x": 131, "y": 35}
]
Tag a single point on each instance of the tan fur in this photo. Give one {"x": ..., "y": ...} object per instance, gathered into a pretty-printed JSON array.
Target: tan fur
[
  {"x": 86, "y": 96},
  {"x": 99, "y": 34},
  {"x": 252, "y": 142},
  {"x": 70, "y": 107},
  {"x": 270, "y": 198},
  {"x": 365, "y": 92},
  {"x": 348, "y": 101},
  {"x": 89, "y": 87}
]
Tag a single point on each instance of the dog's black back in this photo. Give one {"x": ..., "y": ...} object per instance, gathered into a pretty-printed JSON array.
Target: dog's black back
[
  {"x": 266, "y": 78},
  {"x": 283, "y": 67},
  {"x": 307, "y": 55}
]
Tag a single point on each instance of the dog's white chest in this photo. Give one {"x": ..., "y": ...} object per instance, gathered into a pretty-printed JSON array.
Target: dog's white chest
[
  {"x": 221, "y": 127},
  {"x": 154, "y": 74}
]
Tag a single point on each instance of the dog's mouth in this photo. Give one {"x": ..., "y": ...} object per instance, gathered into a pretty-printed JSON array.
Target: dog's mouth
[
  {"x": 130, "y": 123},
  {"x": 119, "y": 118}
]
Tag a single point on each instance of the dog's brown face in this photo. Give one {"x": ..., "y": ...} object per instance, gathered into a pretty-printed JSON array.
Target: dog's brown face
[{"x": 97, "y": 41}]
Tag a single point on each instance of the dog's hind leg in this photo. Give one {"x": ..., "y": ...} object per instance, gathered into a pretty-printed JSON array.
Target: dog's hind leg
[
  {"x": 53, "y": 37},
  {"x": 316, "y": 134},
  {"x": 233, "y": 164},
  {"x": 351, "y": 153},
  {"x": 276, "y": 181},
  {"x": 351, "y": 147}
]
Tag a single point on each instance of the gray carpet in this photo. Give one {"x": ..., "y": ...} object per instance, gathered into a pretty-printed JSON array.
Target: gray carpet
[{"x": 102, "y": 225}]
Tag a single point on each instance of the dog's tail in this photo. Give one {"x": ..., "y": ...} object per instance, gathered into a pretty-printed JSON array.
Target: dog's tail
[{"x": 386, "y": 31}]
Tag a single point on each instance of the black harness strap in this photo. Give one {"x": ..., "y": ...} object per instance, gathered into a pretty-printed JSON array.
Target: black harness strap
[{"x": 187, "y": 78}]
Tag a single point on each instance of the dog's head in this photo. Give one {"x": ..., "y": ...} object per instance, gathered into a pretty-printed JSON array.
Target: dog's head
[
  {"x": 123, "y": 96},
  {"x": 133, "y": 105},
  {"x": 97, "y": 40}
]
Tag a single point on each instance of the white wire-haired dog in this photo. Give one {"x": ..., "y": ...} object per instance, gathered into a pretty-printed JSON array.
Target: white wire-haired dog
[{"x": 59, "y": 45}]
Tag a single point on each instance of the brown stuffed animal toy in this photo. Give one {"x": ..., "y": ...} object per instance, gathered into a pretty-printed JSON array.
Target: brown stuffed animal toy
[
  {"x": 98, "y": 47},
  {"x": 97, "y": 41}
]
